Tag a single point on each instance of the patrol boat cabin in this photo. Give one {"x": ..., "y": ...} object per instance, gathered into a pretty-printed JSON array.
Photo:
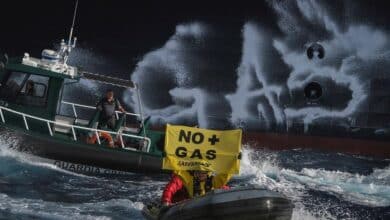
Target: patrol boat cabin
[{"x": 30, "y": 102}]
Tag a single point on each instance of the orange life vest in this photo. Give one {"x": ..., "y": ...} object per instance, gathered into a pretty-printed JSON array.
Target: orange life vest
[{"x": 104, "y": 135}]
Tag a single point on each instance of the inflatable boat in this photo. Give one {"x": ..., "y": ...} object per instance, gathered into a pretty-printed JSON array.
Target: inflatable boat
[{"x": 238, "y": 203}]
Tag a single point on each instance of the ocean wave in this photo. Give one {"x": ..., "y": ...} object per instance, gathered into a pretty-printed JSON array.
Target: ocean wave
[
  {"x": 13, "y": 160},
  {"x": 264, "y": 168},
  {"x": 38, "y": 190},
  {"x": 32, "y": 209}
]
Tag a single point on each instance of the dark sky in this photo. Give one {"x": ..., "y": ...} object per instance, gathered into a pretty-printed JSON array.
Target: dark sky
[
  {"x": 126, "y": 30},
  {"x": 138, "y": 25}
]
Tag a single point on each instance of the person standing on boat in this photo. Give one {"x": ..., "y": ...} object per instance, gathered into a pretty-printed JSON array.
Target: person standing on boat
[
  {"x": 107, "y": 107},
  {"x": 188, "y": 184}
]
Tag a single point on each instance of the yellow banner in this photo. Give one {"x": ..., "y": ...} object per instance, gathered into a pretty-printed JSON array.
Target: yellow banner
[{"x": 190, "y": 148}]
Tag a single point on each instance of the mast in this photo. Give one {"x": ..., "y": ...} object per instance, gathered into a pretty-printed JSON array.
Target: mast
[
  {"x": 72, "y": 27},
  {"x": 65, "y": 49}
]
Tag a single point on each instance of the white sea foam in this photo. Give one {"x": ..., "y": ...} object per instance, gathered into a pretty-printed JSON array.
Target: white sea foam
[
  {"x": 7, "y": 141},
  {"x": 34, "y": 208},
  {"x": 369, "y": 190}
]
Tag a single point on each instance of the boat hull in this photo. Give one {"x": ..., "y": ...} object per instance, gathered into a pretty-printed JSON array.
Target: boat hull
[
  {"x": 86, "y": 154},
  {"x": 239, "y": 203},
  {"x": 356, "y": 146}
]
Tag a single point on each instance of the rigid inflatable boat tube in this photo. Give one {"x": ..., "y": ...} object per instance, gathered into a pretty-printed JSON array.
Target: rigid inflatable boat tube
[{"x": 238, "y": 203}]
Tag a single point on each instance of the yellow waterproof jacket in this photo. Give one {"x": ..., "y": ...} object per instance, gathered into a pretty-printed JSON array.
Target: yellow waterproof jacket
[{"x": 218, "y": 181}]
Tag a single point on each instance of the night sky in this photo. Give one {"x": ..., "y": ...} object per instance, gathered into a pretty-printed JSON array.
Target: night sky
[
  {"x": 125, "y": 30},
  {"x": 120, "y": 33}
]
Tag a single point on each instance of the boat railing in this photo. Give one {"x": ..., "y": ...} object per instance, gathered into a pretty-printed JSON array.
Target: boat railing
[
  {"x": 96, "y": 131},
  {"x": 74, "y": 105}
]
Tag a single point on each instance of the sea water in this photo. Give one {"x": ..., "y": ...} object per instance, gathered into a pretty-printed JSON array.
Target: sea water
[{"x": 321, "y": 185}]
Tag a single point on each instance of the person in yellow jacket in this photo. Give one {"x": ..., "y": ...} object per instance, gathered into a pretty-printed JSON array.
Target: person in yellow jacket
[{"x": 188, "y": 184}]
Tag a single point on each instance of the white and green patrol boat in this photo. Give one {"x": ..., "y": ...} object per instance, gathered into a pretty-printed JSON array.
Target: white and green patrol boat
[{"x": 64, "y": 139}]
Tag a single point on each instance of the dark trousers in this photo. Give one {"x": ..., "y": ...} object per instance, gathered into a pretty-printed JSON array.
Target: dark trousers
[{"x": 107, "y": 123}]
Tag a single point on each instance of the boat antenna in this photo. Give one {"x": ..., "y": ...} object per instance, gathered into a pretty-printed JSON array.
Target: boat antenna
[
  {"x": 71, "y": 29},
  {"x": 65, "y": 49}
]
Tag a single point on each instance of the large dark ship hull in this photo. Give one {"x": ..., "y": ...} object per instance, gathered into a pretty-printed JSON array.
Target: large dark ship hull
[{"x": 281, "y": 141}]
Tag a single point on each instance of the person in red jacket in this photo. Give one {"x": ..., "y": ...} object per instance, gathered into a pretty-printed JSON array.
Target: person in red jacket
[{"x": 188, "y": 184}]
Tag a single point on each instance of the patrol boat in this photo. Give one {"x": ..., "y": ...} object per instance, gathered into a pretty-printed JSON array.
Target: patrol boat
[{"x": 31, "y": 93}]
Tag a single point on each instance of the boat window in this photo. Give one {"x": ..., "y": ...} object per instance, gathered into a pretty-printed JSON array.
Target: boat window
[
  {"x": 35, "y": 86},
  {"x": 13, "y": 85},
  {"x": 34, "y": 91}
]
